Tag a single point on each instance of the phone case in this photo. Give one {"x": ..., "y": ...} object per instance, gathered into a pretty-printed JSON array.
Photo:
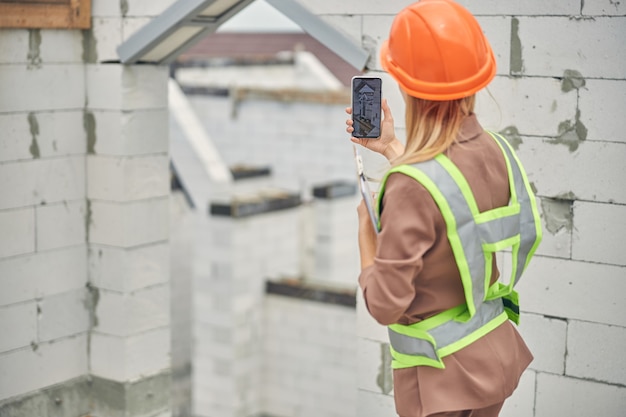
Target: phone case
[{"x": 366, "y": 106}]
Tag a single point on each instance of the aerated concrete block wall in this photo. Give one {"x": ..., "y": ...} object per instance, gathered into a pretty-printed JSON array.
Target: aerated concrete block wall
[
  {"x": 243, "y": 251},
  {"x": 310, "y": 360},
  {"x": 84, "y": 284},
  {"x": 44, "y": 297},
  {"x": 559, "y": 96},
  {"x": 304, "y": 143},
  {"x": 334, "y": 248}
]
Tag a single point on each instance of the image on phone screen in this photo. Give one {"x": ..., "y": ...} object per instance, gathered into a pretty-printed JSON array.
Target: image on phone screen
[{"x": 366, "y": 101}]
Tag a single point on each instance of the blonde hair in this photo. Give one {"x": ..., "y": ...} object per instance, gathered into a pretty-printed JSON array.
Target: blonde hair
[{"x": 432, "y": 126}]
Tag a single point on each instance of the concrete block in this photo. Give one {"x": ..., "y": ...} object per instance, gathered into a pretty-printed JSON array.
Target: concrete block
[
  {"x": 598, "y": 233},
  {"x": 14, "y": 46},
  {"x": 275, "y": 403},
  {"x": 42, "y": 181},
  {"x": 584, "y": 45},
  {"x": 18, "y": 325},
  {"x": 205, "y": 406},
  {"x": 375, "y": 31},
  {"x": 165, "y": 413},
  {"x": 573, "y": 290},
  {"x": 121, "y": 87},
  {"x": 128, "y": 270},
  {"x": 132, "y": 25},
  {"x": 355, "y": 7},
  {"x": 18, "y": 232},
  {"x": 124, "y": 133},
  {"x": 42, "y": 274},
  {"x": 557, "y": 227},
  {"x": 124, "y": 315},
  {"x": 137, "y": 8},
  {"x": 521, "y": 403},
  {"x": 312, "y": 368},
  {"x": 106, "y": 35},
  {"x": 597, "y": 101},
  {"x": 337, "y": 220},
  {"x": 583, "y": 360},
  {"x": 61, "y": 225},
  {"x": 30, "y": 369},
  {"x": 554, "y": 170},
  {"x": 41, "y": 135},
  {"x": 533, "y": 7},
  {"x": 526, "y": 106},
  {"x": 129, "y": 224},
  {"x": 23, "y": 91},
  {"x": 127, "y": 178},
  {"x": 104, "y": 8},
  {"x": 374, "y": 372},
  {"x": 38, "y": 47},
  {"x": 370, "y": 404},
  {"x": 130, "y": 358},
  {"x": 367, "y": 327},
  {"x": 562, "y": 396},
  {"x": 547, "y": 340},
  {"x": 497, "y": 29},
  {"x": 63, "y": 315},
  {"x": 349, "y": 25},
  {"x": 604, "y": 8},
  {"x": 61, "y": 46}
]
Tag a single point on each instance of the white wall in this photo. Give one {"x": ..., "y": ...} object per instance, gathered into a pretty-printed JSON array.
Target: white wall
[
  {"x": 43, "y": 250},
  {"x": 310, "y": 358},
  {"x": 302, "y": 142},
  {"x": 84, "y": 181},
  {"x": 573, "y": 145},
  {"x": 238, "y": 256}
]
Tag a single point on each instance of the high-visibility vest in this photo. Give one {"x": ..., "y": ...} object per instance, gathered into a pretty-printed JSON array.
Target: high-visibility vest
[{"x": 474, "y": 237}]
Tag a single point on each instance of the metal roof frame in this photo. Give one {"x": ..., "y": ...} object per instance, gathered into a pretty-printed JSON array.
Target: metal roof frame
[
  {"x": 184, "y": 14},
  {"x": 326, "y": 34}
]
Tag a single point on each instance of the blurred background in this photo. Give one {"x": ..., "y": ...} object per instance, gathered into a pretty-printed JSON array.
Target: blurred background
[{"x": 178, "y": 205}]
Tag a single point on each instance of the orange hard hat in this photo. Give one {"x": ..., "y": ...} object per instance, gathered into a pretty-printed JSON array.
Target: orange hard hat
[{"x": 437, "y": 51}]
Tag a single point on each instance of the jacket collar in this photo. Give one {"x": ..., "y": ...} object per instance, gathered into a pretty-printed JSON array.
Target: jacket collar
[{"x": 470, "y": 129}]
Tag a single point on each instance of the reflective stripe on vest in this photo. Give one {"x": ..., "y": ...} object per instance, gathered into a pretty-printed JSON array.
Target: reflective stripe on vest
[
  {"x": 474, "y": 238},
  {"x": 427, "y": 341}
]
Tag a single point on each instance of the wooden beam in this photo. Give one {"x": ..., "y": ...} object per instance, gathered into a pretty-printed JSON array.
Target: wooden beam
[{"x": 46, "y": 14}]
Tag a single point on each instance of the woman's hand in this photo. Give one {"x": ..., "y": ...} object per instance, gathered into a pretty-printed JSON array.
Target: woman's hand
[
  {"x": 367, "y": 236},
  {"x": 387, "y": 144}
]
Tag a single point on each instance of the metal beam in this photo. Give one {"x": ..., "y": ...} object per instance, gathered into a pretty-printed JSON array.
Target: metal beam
[
  {"x": 168, "y": 31},
  {"x": 326, "y": 34},
  {"x": 183, "y": 13}
]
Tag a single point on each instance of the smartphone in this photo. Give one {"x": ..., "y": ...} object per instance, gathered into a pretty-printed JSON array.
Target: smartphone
[{"x": 366, "y": 106}]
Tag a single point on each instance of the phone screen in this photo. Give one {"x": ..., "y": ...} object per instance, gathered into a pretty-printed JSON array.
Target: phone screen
[{"x": 366, "y": 101}]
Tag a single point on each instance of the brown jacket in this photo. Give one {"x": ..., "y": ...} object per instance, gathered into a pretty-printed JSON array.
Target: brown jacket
[{"x": 415, "y": 276}]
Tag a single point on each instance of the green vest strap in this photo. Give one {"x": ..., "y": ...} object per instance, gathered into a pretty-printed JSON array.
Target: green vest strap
[{"x": 420, "y": 344}]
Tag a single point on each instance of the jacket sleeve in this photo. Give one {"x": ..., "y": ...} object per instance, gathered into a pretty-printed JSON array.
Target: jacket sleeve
[{"x": 407, "y": 233}]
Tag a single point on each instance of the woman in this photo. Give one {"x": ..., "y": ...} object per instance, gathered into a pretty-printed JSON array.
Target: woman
[{"x": 455, "y": 195}]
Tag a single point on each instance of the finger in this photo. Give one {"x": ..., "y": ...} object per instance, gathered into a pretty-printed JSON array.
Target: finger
[
  {"x": 349, "y": 110},
  {"x": 361, "y": 208},
  {"x": 386, "y": 110},
  {"x": 349, "y": 122}
]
